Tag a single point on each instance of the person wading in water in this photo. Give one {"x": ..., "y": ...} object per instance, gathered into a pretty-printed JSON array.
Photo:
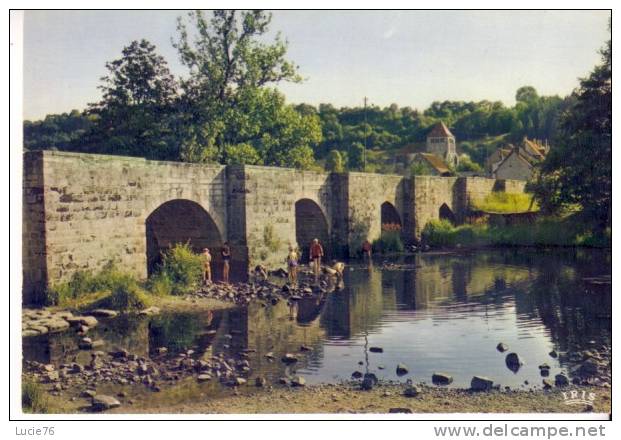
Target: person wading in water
[
  {"x": 366, "y": 250},
  {"x": 206, "y": 266},
  {"x": 316, "y": 252},
  {"x": 292, "y": 265},
  {"x": 226, "y": 259}
]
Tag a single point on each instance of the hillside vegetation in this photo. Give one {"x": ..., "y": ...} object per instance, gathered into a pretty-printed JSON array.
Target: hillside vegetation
[{"x": 228, "y": 110}]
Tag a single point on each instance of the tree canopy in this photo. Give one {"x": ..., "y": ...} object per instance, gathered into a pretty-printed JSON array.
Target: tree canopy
[
  {"x": 579, "y": 170},
  {"x": 226, "y": 109}
]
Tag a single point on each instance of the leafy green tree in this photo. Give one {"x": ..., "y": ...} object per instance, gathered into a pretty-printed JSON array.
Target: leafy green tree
[
  {"x": 467, "y": 165},
  {"x": 58, "y": 132},
  {"x": 334, "y": 162},
  {"x": 135, "y": 114},
  {"x": 356, "y": 156},
  {"x": 281, "y": 135},
  {"x": 526, "y": 94},
  {"x": 419, "y": 169},
  {"x": 242, "y": 154},
  {"x": 230, "y": 62},
  {"x": 579, "y": 170}
]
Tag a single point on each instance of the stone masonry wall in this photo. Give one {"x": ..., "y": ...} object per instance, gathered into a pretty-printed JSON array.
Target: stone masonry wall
[
  {"x": 81, "y": 210},
  {"x": 270, "y": 197},
  {"x": 366, "y": 193},
  {"x": 33, "y": 230},
  {"x": 428, "y": 194},
  {"x": 95, "y": 209}
]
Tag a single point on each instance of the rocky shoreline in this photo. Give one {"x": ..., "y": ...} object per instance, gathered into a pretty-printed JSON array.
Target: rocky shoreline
[
  {"x": 37, "y": 322},
  {"x": 161, "y": 371}
]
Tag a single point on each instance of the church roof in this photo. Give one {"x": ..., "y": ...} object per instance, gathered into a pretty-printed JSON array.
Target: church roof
[
  {"x": 436, "y": 162},
  {"x": 440, "y": 130}
]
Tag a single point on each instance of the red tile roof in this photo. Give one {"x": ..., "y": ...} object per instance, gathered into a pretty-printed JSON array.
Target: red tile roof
[
  {"x": 440, "y": 130},
  {"x": 534, "y": 148}
]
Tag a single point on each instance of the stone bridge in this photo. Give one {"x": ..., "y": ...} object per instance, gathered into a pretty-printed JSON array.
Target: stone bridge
[{"x": 81, "y": 211}]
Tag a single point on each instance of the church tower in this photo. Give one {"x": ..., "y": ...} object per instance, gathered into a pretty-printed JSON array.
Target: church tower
[{"x": 441, "y": 142}]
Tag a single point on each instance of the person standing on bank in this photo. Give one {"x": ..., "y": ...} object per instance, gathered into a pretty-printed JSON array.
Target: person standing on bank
[
  {"x": 226, "y": 260},
  {"x": 206, "y": 266},
  {"x": 316, "y": 252}
]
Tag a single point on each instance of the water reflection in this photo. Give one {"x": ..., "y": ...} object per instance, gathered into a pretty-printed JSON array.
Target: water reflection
[{"x": 432, "y": 312}]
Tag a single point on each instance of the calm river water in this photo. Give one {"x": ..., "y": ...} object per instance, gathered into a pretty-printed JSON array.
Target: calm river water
[{"x": 431, "y": 312}]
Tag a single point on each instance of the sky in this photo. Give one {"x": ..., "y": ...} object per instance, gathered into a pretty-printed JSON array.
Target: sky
[{"x": 410, "y": 58}]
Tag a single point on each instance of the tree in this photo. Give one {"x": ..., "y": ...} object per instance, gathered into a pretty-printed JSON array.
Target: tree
[
  {"x": 58, "y": 132},
  {"x": 334, "y": 162},
  {"x": 242, "y": 154},
  {"x": 278, "y": 132},
  {"x": 356, "y": 156},
  {"x": 526, "y": 94},
  {"x": 419, "y": 169},
  {"x": 579, "y": 170},
  {"x": 229, "y": 63},
  {"x": 134, "y": 116},
  {"x": 467, "y": 165}
]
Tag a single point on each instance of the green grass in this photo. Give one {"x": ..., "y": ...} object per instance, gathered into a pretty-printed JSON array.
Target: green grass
[
  {"x": 86, "y": 287},
  {"x": 180, "y": 273},
  {"x": 505, "y": 203},
  {"x": 544, "y": 232},
  {"x": 34, "y": 398}
]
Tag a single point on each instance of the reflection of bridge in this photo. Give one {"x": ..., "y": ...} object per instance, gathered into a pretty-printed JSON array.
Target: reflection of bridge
[
  {"x": 82, "y": 210},
  {"x": 534, "y": 286}
]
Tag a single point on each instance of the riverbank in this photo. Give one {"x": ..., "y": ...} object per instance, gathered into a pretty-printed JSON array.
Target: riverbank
[
  {"x": 349, "y": 399},
  {"x": 271, "y": 343},
  {"x": 545, "y": 232},
  {"x": 389, "y": 398},
  {"x": 55, "y": 319}
]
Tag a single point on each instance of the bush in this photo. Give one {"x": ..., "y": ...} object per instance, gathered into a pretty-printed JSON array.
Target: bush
[
  {"x": 545, "y": 232},
  {"x": 34, "y": 398},
  {"x": 182, "y": 268},
  {"x": 439, "y": 233},
  {"x": 390, "y": 241},
  {"x": 125, "y": 297},
  {"x": 270, "y": 239},
  {"x": 110, "y": 288},
  {"x": 160, "y": 285}
]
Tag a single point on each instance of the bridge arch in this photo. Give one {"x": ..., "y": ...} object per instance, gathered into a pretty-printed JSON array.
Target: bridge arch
[
  {"x": 446, "y": 213},
  {"x": 180, "y": 221},
  {"x": 391, "y": 223},
  {"x": 311, "y": 223},
  {"x": 390, "y": 215}
]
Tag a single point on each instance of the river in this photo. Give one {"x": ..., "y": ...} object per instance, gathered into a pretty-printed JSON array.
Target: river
[{"x": 432, "y": 312}]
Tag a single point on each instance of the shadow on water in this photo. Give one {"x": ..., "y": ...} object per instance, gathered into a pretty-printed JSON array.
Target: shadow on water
[{"x": 432, "y": 312}]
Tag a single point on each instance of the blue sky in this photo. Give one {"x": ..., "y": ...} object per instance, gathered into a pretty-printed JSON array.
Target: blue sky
[{"x": 407, "y": 57}]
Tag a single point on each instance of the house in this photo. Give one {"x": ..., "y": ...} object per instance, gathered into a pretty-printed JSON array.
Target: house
[
  {"x": 441, "y": 142},
  {"x": 496, "y": 157},
  {"x": 517, "y": 162},
  {"x": 432, "y": 164}
]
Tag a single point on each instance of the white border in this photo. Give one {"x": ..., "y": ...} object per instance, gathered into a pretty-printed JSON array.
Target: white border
[{"x": 162, "y": 430}]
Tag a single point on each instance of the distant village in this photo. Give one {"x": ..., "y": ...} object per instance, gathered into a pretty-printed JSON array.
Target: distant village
[{"x": 511, "y": 161}]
